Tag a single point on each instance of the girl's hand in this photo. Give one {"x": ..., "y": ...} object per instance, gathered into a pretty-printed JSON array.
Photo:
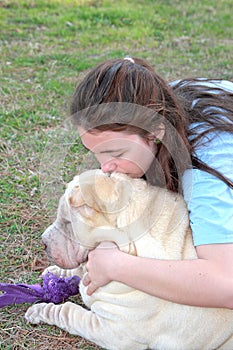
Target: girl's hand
[{"x": 100, "y": 266}]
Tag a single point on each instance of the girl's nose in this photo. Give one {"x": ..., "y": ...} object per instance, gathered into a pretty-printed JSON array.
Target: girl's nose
[{"x": 108, "y": 167}]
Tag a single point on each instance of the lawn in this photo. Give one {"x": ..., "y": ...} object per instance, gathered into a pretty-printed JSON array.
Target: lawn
[{"x": 46, "y": 48}]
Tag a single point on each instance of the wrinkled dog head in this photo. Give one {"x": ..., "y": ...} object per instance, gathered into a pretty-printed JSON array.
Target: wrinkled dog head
[{"x": 94, "y": 208}]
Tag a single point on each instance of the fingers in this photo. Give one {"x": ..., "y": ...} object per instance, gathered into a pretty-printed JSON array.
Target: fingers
[
  {"x": 86, "y": 280},
  {"x": 91, "y": 285},
  {"x": 91, "y": 288},
  {"x": 96, "y": 262}
]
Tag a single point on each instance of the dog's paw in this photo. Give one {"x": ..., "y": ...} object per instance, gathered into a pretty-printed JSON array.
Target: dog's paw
[
  {"x": 59, "y": 272},
  {"x": 53, "y": 269},
  {"x": 34, "y": 314}
]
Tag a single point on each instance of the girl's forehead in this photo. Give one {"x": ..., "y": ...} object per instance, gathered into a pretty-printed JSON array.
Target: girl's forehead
[
  {"x": 109, "y": 141},
  {"x": 102, "y": 134}
]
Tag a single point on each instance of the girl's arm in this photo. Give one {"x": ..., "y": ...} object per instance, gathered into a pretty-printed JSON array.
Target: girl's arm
[{"x": 206, "y": 281}]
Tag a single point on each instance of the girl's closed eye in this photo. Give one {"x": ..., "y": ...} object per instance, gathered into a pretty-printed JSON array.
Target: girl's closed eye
[{"x": 118, "y": 155}]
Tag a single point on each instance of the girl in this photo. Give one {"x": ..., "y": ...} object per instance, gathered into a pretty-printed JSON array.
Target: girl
[{"x": 177, "y": 135}]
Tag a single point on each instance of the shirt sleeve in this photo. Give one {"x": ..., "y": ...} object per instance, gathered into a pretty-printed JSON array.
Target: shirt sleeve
[{"x": 210, "y": 200}]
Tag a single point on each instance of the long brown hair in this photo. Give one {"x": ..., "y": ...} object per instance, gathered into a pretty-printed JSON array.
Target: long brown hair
[
  {"x": 209, "y": 105},
  {"x": 127, "y": 95}
]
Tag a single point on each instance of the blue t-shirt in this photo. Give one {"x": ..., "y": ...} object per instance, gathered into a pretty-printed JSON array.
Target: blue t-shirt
[{"x": 210, "y": 200}]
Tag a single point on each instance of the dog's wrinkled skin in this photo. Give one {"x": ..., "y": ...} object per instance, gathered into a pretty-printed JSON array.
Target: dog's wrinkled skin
[{"x": 142, "y": 220}]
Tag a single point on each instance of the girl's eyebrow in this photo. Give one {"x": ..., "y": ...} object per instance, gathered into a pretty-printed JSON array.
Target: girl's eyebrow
[{"x": 113, "y": 150}]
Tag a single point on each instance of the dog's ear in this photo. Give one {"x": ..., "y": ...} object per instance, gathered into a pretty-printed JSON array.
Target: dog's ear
[
  {"x": 102, "y": 193},
  {"x": 95, "y": 192},
  {"x": 76, "y": 198}
]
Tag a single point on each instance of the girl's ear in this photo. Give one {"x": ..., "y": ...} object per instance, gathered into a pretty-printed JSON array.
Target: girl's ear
[{"x": 158, "y": 134}]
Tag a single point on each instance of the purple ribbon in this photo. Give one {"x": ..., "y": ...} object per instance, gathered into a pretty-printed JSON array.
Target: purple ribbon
[{"x": 54, "y": 289}]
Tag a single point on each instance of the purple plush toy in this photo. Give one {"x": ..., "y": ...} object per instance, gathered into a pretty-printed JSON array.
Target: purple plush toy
[{"x": 54, "y": 289}]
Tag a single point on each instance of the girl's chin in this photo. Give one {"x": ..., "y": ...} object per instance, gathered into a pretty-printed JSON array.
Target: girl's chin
[{"x": 135, "y": 176}]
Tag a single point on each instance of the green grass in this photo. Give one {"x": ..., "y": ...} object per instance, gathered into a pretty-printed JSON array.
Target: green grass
[{"x": 46, "y": 47}]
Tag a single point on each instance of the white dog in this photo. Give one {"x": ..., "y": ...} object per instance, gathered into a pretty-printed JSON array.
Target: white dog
[{"x": 142, "y": 220}]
